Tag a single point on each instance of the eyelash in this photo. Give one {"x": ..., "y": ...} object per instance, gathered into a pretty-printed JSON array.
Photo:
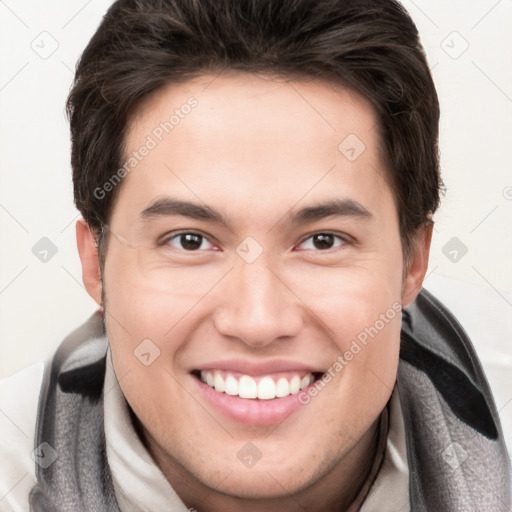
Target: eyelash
[
  {"x": 167, "y": 238},
  {"x": 345, "y": 239}
]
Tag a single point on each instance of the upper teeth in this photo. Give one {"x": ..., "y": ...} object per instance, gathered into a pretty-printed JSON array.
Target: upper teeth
[{"x": 247, "y": 387}]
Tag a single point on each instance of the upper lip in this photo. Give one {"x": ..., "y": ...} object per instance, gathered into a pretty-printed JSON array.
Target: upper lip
[{"x": 256, "y": 368}]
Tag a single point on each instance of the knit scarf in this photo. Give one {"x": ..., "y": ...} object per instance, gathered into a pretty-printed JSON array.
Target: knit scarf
[{"x": 456, "y": 453}]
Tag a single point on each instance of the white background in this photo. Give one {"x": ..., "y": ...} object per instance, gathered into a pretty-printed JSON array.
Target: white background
[{"x": 42, "y": 302}]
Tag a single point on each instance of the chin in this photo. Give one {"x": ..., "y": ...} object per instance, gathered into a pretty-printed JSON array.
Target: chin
[{"x": 271, "y": 483}]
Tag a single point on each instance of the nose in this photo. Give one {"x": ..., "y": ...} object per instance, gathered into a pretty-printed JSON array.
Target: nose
[{"x": 258, "y": 307}]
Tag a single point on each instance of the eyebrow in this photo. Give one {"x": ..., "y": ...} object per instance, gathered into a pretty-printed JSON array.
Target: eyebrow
[
  {"x": 169, "y": 206},
  {"x": 335, "y": 208},
  {"x": 340, "y": 207}
]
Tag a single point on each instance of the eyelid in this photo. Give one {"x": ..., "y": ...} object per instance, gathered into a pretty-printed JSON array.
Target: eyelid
[
  {"x": 346, "y": 239},
  {"x": 164, "y": 239}
]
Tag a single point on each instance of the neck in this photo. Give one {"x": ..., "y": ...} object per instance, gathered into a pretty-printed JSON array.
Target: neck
[{"x": 342, "y": 487}]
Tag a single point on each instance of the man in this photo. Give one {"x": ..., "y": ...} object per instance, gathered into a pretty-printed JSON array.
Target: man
[{"x": 257, "y": 181}]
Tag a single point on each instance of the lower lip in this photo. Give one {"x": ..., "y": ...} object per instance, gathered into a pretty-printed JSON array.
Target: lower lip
[{"x": 251, "y": 411}]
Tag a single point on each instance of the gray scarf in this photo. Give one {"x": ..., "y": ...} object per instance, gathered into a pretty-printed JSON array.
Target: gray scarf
[{"x": 455, "y": 448}]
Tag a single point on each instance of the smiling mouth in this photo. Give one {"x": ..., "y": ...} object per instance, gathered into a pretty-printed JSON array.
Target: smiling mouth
[{"x": 264, "y": 387}]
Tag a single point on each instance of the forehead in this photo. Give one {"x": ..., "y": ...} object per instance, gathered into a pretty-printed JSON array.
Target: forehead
[{"x": 245, "y": 137}]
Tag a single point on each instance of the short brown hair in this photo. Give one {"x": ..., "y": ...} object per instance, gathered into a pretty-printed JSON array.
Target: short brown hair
[{"x": 371, "y": 46}]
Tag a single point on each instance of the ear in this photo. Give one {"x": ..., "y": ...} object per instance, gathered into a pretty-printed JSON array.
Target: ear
[
  {"x": 88, "y": 252},
  {"x": 418, "y": 265}
]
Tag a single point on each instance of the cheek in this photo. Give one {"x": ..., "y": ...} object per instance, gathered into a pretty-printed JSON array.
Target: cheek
[
  {"x": 141, "y": 320},
  {"x": 146, "y": 329},
  {"x": 360, "y": 313},
  {"x": 150, "y": 297},
  {"x": 348, "y": 300},
  {"x": 149, "y": 317}
]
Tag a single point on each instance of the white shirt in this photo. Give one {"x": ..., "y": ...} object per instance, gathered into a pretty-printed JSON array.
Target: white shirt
[
  {"x": 138, "y": 482},
  {"x": 140, "y": 485},
  {"x": 134, "y": 472}
]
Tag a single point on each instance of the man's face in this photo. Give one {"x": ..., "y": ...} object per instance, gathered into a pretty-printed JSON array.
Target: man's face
[{"x": 248, "y": 248}]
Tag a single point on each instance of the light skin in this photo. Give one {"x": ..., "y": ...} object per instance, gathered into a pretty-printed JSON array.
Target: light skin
[{"x": 256, "y": 151}]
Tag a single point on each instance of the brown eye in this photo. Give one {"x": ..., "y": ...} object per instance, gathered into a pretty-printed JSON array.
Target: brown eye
[
  {"x": 189, "y": 241},
  {"x": 322, "y": 241}
]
